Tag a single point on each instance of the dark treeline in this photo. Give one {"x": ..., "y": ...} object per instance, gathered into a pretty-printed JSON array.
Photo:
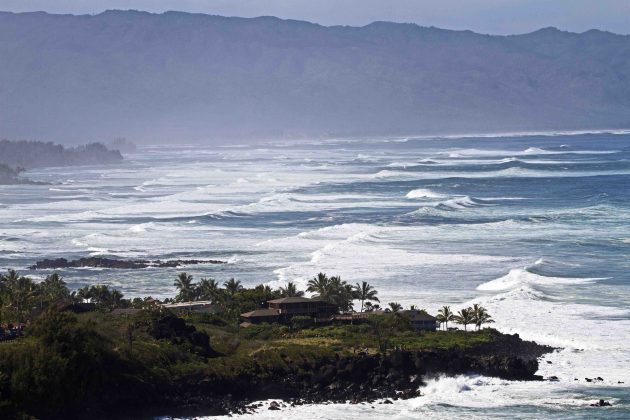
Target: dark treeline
[
  {"x": 235, "y": 299},
  {"x": 37, "y": 154},
  {"x": 22, "y": 299}
]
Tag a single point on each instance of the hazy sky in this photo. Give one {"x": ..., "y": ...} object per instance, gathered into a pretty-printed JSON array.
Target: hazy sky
[{"x": 486, "y": 16}]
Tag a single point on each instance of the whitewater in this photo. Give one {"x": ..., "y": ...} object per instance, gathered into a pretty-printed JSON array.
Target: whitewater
[{"x": 535, "y": 227}]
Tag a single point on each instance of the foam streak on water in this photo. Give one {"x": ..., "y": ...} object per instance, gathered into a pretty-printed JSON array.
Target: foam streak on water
[{"x": 532, "y": 226}]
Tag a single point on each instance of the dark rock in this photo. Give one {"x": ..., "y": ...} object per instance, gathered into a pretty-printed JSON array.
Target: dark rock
[
  {"x": 99, "y": 262},
  {"x": 358, "y": 379},
  {"x": 601, "y": 403}
]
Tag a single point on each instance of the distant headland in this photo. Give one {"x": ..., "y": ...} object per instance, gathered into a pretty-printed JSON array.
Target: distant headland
[{"x": 18, "y": 156}]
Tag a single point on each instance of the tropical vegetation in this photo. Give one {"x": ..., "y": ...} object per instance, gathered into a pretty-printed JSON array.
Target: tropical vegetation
[{"x": 77, "y": 353}]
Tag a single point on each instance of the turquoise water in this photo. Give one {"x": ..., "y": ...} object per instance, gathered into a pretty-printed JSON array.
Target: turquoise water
[{"x": 534, "y": 227}]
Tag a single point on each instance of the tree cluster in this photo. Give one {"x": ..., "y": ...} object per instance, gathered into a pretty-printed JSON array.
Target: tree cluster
[
  {"x": 475, "y": 315},
  {"x": 36, "y": 154},
  {"x": 337, "y": 291},
  {"x": 20, "y": 295}
]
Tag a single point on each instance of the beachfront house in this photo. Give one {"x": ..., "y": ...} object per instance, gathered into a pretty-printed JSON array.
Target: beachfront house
[
  {"x": 283, "y": 309},
  {"x": 315, "y": 308},
  {"x": 420, "y": 320}
]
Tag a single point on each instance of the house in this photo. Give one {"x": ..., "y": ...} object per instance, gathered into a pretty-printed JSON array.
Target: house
[
  {"x": 283, "y": 309},
  {"x": 315, "y": 308},
  {"x": 203, "y": 306},
  {"x": 420, "y": 320},
  {"x": 259, "y": 316}
]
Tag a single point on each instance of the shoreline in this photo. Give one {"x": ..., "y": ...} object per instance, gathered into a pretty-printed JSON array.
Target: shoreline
[{"x": 376, "y": 379}]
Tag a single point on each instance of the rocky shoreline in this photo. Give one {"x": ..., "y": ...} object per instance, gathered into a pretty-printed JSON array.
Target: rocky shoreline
[
  {"x": 378, "y": 378},
  {"x": 98, "y": 262}
]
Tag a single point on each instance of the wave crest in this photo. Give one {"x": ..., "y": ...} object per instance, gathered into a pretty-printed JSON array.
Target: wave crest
[
  {"x": 424, "y": 193},
  {"x": 519, "y": 277}
]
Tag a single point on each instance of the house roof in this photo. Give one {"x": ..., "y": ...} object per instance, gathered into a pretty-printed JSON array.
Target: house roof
[
  {"x": 188, "y": 304},
  {"x": 321, "y": 299},
  {"x": 419, "y": 316},
  {"x": 261, "y": 313},
  {"x": 293, "y": 299}
]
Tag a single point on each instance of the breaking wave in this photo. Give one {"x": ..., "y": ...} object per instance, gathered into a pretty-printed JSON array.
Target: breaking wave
[
  {"x": 519, "y": 277},
  {"x": 424, "y": 193},
  {"x": 461, "y": 203}
]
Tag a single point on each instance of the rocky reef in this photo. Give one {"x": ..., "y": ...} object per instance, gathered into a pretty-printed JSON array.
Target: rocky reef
[{"x": 98, "y": 262}]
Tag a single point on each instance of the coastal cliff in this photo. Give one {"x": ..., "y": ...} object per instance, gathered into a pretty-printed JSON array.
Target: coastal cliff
[
  {"x": 103, "y": 365},
  {"x": 363, "y": 378}
]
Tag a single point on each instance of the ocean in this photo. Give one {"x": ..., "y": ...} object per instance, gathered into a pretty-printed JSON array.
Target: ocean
[{"x": 533, "y": 226}]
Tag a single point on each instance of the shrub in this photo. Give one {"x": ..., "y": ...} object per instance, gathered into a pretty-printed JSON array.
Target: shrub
[{"x": 300, "y": 321}]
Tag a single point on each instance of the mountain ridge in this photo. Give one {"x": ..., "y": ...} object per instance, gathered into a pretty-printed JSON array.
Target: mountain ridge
[{"x": 177, "y": 75}]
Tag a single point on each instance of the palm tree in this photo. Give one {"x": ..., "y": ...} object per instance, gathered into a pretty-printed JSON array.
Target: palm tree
[
  {"x": 53, "y": 288},
  {"x": 341, "y": 293},
  {"x": 290, "y": 290},
  {"x": 266, "y": 293},
  {"x": 83, "y": 293},
  {"x": 115, "y": 299},
  {"x": 464, "y": 317},
  {"x": 445, "y": 315},
  {"x": 395, "y": 306},
  {"x": 365, "y": 292},
  {"x": 320, "y": 285},
  {"x": 480, "y": 316},
  {"x": 11, "y": 277},
  {"x": 208, "y": 289},
  {"x": 5, "y": 281},
  {"x": 101, "y": 295},
  {"x": 184, "y": 282},
  {"x": 20, "y": 290},
  {"x": 232, "y": 286},
  {"x": 369, "y": 307}
]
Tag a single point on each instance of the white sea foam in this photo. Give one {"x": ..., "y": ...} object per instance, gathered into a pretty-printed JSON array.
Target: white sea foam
[
  {"x": 424, "y": 193},
  {"x": 519, "y": 305},
  {"x": 520, "y": 276},
  {"x": 460, "y": 203},
  {"x": 141, "y": 228},
  {"x": 459, "y": 153},
  {"x": 386, "y": 173}
]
